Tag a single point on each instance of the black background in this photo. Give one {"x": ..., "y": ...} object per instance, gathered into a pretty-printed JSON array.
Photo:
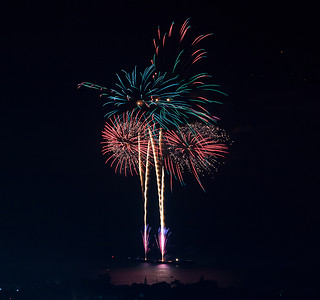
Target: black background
[{"x": 63, "y": 210}]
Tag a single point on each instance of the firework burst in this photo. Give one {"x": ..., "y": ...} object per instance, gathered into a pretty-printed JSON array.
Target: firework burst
[
  {"x": 146, "y": 240},
  {"x": 162, "y": 240},
  {"x": 167, "y": 96},
  {"x": 194, "y": 147},
  {"x": 125, "y": 142},
  {"x": 177, "y": 50}
]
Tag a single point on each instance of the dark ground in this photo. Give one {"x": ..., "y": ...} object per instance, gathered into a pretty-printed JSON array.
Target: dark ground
[{"x": 102, "y": 289}]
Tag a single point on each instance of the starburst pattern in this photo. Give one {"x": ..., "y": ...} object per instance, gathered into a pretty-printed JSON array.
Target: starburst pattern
[
  {"x": 194, "y": 147},
  {"x": 124, "y": 139}
]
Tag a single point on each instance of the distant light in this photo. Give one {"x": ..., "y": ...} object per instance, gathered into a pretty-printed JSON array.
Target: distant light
[
  {"x": 17, "y": 290},
  {"x": 0, "y": 289},
  {"x": 177, "y": 259},
  {"x": 281, "y": 51},
  {"x": 112, "y": 256},
  {"x": 168, "y": 99}
]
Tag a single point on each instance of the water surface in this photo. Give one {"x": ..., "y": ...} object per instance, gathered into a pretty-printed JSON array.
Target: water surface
[{"x": 153, "y": 273}]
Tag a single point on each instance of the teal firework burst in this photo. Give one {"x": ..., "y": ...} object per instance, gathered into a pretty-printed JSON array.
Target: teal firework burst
[{"x": 167, "y": 96}]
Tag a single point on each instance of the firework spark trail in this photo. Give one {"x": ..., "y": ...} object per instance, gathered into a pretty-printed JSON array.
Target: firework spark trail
[
  {"x": 140, "y": 164},
  {"x": 161, "y": 200},
  {"x": 145, "y": 195},
  {"x": 160, "y": 185},
  {"x": 161, "y": 209},
  {"x": 146, "y": 239}
]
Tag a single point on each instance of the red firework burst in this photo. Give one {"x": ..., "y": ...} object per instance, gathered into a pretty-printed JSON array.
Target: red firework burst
[
  {"x": 125, "y": 140},
  {"x": 195, "y": 147}
]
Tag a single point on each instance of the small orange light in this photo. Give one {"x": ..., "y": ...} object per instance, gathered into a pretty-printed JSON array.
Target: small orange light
[{"x": 168, "y": 99}]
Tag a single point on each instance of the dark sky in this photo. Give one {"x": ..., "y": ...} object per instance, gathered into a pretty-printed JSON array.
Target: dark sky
[{"x": 62, "y": 208}]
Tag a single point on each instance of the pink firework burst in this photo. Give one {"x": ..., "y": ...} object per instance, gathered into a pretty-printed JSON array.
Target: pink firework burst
[
  {"x": 146, "y": 240},
  {"x": 194, "y": 147},
  {"x": 162, "y": 241},
  {"x": 125, "y": 140}
]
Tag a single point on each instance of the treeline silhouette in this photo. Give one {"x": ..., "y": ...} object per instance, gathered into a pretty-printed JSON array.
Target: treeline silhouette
[{"x": 103, "y": 289}]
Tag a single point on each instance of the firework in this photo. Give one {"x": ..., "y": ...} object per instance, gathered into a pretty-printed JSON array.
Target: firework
[
  {"x": 150, "y": 119},
  {"x": 162, "y": 241},
  {"x": 194, "y": 147},
  {"x": 125, "y": 142},
  {"x": 159, "y": 168},
  {"x": 128, "y": 147},
  {"x": 177, "y": 50},
  {"x": 146, "y": 239},
  {"x": 144, "y": 188},
  {"x": 166, "y": 96}
]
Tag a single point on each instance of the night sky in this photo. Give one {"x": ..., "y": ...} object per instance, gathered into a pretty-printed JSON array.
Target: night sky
[{"x": 63, "y": 210}]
